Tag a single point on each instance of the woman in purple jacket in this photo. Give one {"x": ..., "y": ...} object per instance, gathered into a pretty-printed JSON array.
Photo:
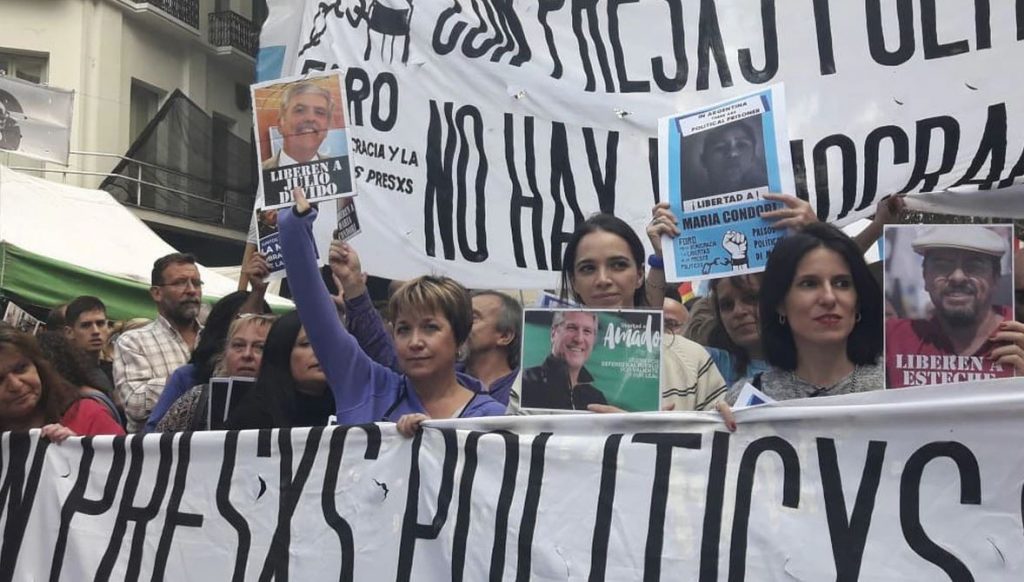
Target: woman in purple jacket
[{"x": 431, "y": 316}]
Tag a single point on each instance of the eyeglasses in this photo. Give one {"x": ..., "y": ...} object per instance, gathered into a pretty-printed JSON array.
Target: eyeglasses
[
  {"x": 971, "y": 266},
  {"x": 182, "y": 284},
  {"x": 673, "y": 326},
  {"x": 257, "y": 316}
]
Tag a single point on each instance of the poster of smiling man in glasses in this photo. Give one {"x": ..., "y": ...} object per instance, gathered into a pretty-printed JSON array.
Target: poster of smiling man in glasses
[
  {"x": 949, "y": 290},
  {"x": 301, "y": 139}
]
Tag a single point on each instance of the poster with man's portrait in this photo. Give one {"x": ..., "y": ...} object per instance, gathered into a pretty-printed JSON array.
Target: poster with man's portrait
[
  {"x": 301, "y": 138},
  {"x": 572, "y": 358},
  {"x": 717, "y": 163},
  {"x": 948, "y": 288}
]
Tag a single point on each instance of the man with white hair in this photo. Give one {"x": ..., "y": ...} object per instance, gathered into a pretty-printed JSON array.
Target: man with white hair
[
  {"x": 306, "y": 110},
  {"x": 962, "y": 268}
]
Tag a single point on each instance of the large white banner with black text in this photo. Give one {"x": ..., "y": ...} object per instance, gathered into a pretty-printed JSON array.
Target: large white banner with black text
[
  {"x": 482, "y": 131},
  {"x": 915, "y": 484}
]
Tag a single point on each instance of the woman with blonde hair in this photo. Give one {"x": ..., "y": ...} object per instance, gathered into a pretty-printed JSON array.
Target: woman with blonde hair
[{"x": 431, "y": 316}]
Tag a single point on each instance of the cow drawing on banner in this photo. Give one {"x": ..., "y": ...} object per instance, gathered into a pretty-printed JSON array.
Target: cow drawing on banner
[{"x": 390, "y": 19}]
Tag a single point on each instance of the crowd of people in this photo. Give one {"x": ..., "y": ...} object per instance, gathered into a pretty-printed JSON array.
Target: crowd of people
[{"x": 810, "y": 325}]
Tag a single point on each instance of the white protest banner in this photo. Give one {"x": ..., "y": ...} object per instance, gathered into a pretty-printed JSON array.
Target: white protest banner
[
  {"x": 483, "y": 132},
  {"x": 35, "y": 120},
  {"x": 915, "y": 484}
]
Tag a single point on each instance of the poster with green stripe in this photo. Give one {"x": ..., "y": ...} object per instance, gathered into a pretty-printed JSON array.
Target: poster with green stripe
[{"x": 573, "y": 358}]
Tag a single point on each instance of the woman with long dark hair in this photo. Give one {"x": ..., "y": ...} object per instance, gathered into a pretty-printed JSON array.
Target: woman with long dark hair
[{"x": 291, "y": 389}]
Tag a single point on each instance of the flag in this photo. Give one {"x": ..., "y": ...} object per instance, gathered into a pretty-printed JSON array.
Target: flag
[{"x": 35, "y": 120}]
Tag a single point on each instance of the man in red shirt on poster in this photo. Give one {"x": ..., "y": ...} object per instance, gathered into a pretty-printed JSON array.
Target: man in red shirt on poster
[{"x": 959, "y": 343}]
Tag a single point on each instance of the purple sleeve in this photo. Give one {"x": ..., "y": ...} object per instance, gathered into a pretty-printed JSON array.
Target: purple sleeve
[
  {"x": 362, "y": 388},
  {"x": 179, "y": 382},
  {"x": 366, "y": 325}
]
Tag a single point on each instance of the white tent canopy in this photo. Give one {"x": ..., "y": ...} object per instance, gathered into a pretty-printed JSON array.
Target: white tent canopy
[{"x": 87, "y": 229}]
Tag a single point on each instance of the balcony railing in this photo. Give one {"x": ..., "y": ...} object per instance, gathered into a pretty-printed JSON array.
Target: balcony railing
[
  {"x": 167, "y": 191},
  {"x": 186, "y": 11},
  {"x": 229, "y": 28}
]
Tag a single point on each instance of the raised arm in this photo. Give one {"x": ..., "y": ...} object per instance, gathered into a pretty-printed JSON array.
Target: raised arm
[
  {"x": 364, "y": 322},
  {"x": 360, "y": 385}
]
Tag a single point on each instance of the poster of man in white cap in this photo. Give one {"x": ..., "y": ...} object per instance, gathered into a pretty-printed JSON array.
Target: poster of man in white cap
[{"x": 949, "y": 289}]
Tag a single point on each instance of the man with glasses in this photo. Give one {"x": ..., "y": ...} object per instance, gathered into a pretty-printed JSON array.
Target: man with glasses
[
  {"x": 145, "y": 357},
  {"x": 960, "y": 342}
]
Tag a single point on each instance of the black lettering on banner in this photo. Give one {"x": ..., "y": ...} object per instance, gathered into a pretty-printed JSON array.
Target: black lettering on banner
[
  {"x": 796, "y": 152},
  {"x": 463, "y": 517},
  {"x": 652, "y": 164},
  {"x": 141, "y": 515},
  {"x": 823, "y": 29},
  {"x": 76, "y": 501},
  {"x": 530, "y": 505},
  {"x": 872, "y": 146},
  {"x": 934, "y": 49},
  {"x": 519, "y": 201},
  {"x": 379, "y": 122},
  {"x": 589, "y": 7},
  {"x": 17, "y": 494},
  {"x": 1016, "y": 172},
  {"x": 876, "y": 36},
  {"x": 412, "y": 530},
  {"x": 334, "y": 520},
  {"x": 950, "y": 144},
  {"x": 439, "y": 183},
  {"x": 713, "y": 505},
  {"x": 849, "y": 534},
  {"x": 744, "y": 491},
  {"x": 543, "y": 8},
  {"x": 314, "y": 65},
  {"x": 474, "y": 52},
  {"x": 228, "y": 511},
  {"x": 604, "y": 184},
  {"x": 626, "y": 85},
  {"x": 440, "y": 189},
  {"x": 174, "y": 517},
  {"x": 710, "y": 45},
  {"x": 276, "y": 564},
  {"x": 479, "y": 254},
  {"x": 561, "y": 175},
  {"x": 605, "y": 505},
  {"x": 508, "y": 20},
  {"x": 1020, "y": 19},
  {"x": 771, "y": 49},
  {"x": 664, "y": 442},
  {"x": 661, "y": 79},
  {"x": 848, "y": 152},
  {"x": 443, "y": 47},
  {"x": 910, "y": 501},
  {"x": 357, "y": 90},
  {"x": 993, "y": 146}
]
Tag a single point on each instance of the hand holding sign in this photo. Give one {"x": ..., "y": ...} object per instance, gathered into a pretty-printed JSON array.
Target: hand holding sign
[
  {"x": 302, "y": 205},
  {"x": 345, "y": 265},
  {"x": 663, "y": 224},
  {"x": 796, "y": 214},
  {"x": 257, "y": 270},
  {"x": 1012, "y": 353}
]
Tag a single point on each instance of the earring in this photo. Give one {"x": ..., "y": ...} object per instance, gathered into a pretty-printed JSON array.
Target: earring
[{"x": 782, "y": 319}]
